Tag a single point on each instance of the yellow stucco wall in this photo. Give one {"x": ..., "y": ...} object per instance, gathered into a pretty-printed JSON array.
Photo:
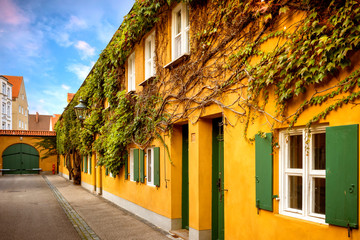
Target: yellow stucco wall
[{"x": 6, "y": 141}]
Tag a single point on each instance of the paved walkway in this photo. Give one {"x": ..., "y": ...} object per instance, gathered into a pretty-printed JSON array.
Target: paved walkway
[
  {"x": 105, "y": 219},
  {"x": 50, "y": 207}
]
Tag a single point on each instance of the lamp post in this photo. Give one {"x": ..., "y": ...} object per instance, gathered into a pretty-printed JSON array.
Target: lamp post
[{"x": 81, "y": 110}]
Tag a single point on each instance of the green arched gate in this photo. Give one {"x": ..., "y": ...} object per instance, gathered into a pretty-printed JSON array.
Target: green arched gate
[{"x": 20, "y": 159}]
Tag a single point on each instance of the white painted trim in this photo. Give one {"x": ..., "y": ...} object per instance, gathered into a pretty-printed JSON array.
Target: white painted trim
[
  {"x": 87, "y": 186},
  {"x": 163, "y": 222},
  {"x": 195, "y": 234}
]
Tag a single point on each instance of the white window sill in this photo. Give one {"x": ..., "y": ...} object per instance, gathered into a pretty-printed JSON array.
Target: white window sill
[
  {"x": 177, "y": 61},
  {"x": 320, "y": 220},
  {"x": 146, "y": 81}
]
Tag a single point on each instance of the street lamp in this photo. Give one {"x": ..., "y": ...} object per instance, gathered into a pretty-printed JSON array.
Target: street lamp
[{"x": 81, "y": 110}]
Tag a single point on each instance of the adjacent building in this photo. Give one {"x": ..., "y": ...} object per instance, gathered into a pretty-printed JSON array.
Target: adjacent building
[
  {"x": 6, "y": 103},
  {"x": 39, "y": 122},
  {"x": 20, "y": 107},
  {"x": 258, "y": 134}
]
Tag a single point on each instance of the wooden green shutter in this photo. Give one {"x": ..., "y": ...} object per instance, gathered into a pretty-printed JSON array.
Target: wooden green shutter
[
  {"x": 106, "y": 171},
  {"x": 126, "y": 167},
  {"x": 85, "y": 164},
  {"x": 157, "y": 166},
  {"x": 142, "y": 174},
  {"x": 342, "y": 176},
  {"x": 136, "y": 165},
  {"x": 264, "y": 171},
  {"x": 82, "y": 165}
]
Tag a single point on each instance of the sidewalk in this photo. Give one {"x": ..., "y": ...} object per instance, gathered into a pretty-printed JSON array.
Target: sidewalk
[{"x": 104, "y": 218}]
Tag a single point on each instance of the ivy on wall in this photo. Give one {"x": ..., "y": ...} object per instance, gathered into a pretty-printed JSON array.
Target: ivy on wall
[{"x": 227, "y": 58}]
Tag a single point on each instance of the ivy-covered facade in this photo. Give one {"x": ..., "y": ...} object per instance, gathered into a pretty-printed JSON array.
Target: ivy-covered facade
[{"x": 232, "y": 119}]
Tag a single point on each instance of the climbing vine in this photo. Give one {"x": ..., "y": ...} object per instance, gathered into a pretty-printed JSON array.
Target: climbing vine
[{"x": 230, "y": 66}]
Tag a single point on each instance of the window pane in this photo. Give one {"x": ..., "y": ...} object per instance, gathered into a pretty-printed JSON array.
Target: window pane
[
  {"x": 295, "y": 192},
  {"x": 319, "y": 151},
  {"x": 296, "y": 145},
  {"x": 178, "y": 22},
  {"x": 149, "y": 50},
  {"x": 187, "y": 16},
  {"x": 149, "y": 162},
  {"x": 177, "y": 46},
  {"x": 319, "y": 195}
]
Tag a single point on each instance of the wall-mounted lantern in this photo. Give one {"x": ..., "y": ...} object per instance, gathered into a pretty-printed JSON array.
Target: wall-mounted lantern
[{"x": 81, "y": 110}]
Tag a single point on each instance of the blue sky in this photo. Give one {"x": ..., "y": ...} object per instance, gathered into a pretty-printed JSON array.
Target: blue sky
[{"x": 53, "y": 44}]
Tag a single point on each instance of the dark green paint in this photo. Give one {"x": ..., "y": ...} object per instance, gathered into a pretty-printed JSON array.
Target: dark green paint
[
  {"x": 342, "y": 176},
  {"x": 136, "y": 165},
  {"x": 142, "y": 173},
  {"x": 185, "y": 177},
  {"x": 217, "y": 223},
  {"x": 264, "y": 172},
  {"x": 126, "y": 167},
  {"x": 21, "y": 159},
  {"x": 157, "y": 166}
]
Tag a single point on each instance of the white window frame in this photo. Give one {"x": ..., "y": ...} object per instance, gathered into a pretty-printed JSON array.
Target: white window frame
[
  {"x": 131, "y": 73},
  {"x": 183, "y": 35},
  {"x": 89, "y": 164},
  {"x": 150, "y": 69},
  {"x": 131, "y": 163},
  {"x": 150, "y": 167},
  {"x": 306, "y": 173}
]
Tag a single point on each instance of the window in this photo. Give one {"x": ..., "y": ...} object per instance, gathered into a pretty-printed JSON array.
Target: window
[
  {"x": 180, "y": 30},
  {"x": 22, "y": 125},
  {"x": 4, "y": 108},
  {"x": 3, "y": 126},
  {"x": 19, "y": 123},
  {"x": 19, "y": 109},
  {"x": 150, "y": 166},
  {"x": 89, "y": 164},
  {"x": 4, "y": 88},
  {"x": 150, "y": 56},
  {"x": 9, "y": 128},
  {"x": 131, "y": 73},
  {"x": 22, "y": 110},
  {"x": 8, "y": 109},
  {"x": 133, "y": 153},
  {"x": 9, "y": 92},
  {"x": 22, "y": 96},
  {"x": 302, "y": 175},
  {"x": 318, "y": 174}
]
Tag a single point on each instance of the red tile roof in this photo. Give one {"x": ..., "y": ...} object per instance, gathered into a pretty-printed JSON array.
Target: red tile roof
[
  {"x": 70, "y": 97},
  {"x": 16, "y": 82}
]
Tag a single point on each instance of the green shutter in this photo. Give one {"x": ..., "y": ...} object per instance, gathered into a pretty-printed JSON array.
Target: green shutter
[
  {"x": 106, "y": 171},
  {"x": 264, "y": 171},
  {"x": 342, "y": 176},
  {"x": 136, "y": 165},
  {"x": 157, "y": 166},
  {"x": 85, "y": 164},
  {"x": 82, "y": 165},
  {"x": 142, "y": 174},
  {"x": 126, "y": 167}
]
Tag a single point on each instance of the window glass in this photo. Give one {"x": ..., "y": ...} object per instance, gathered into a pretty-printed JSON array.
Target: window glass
[
  {"x": 319, "y": 151},
  {"x": 296, "y": 151},
  {"x": 295, "y": 190},
  {"x": 319, "y": 195},
  {"x": 149, "y": 165}
]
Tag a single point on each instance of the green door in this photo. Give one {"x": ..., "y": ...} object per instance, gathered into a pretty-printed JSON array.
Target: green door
[
  {"x": 217, "y": 223},
  {"x": 185, "y": 177},
  {"x": 20, "y": 159}
]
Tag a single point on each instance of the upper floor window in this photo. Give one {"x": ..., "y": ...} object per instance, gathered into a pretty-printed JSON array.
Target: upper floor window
[
  {"x": 22, "y": 96},
  {"x": 180, "y": 30},
  {"x": 22, "y": 110},
  {"x": 132, "y": 164},
  {"x": 131, "y": 73},
  {"x": 9, "y": 92},
  {"x": 19, "y": 109},
  {"x": 8, "y": 110},
  {"x": 26, "y": 112},
  {"x": 3, "y": 126},
  {"x": 150, "y": 56},
  {"x": 4, "y": 108},
  {"x": 4, "y": 88},
  {"x": 19, "y": 123}
]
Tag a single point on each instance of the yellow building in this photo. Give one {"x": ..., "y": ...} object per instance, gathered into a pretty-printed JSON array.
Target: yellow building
[{"x": 252, "y": 110}]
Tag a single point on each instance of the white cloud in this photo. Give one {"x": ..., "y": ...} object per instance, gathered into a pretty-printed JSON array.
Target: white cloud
[
  {"x": 65, "y": 87},
  {"x": 85, "y": 49},
  {"x": 80, "y": 70},
  {"x": 76, "y": 23},
  {"x": 62, "y": 38}
]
